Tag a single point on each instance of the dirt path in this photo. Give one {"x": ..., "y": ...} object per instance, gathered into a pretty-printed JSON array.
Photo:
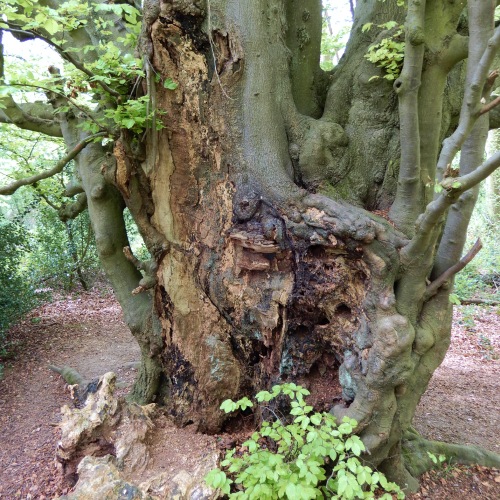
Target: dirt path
[
  {"x": 87, "y": 333},
  {"x": 462, "y": 403}
]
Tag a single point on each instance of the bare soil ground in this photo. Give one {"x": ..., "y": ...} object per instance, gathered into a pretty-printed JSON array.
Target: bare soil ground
[{"x": 87, "y": 333}]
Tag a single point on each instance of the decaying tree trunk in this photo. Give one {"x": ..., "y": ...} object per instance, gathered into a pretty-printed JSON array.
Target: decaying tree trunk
[
  {"x": 290, "y": 214},
  {"x": 266, "y": 180}
]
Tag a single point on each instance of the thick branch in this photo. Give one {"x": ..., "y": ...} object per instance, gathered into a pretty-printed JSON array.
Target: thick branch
[
  {"x": 73, "y": 188},
  {"x": 406, "y": 206},
  {"x": 418, "y": 460},
  {"x": 451, "y": 271},
  {"x": 13, "y": 187},
  {"x": 73, "y": 209},
  {"x": 455, "y": 52},
  {"x": 149, "y": 267},
  {"x": 29, "y": 116}
]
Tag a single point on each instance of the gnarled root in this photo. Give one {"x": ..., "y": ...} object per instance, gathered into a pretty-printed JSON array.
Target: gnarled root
[{"x": 417, "y": 459}]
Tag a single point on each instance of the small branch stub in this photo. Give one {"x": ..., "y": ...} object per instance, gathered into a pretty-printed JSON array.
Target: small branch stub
[{"x": 149, "y": 268}]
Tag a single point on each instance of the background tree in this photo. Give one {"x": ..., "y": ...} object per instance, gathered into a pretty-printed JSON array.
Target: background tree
[{"x": 301, "y": 225}]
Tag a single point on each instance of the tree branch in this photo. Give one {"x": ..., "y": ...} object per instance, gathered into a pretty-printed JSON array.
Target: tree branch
[
  {"x": 483, "y": 302},
  {"x": 64, "y": 96},
  {"x": 21, "y": 115},
  {"x": 406, "y": 206},
  {"x": 65, "y": 55},
  {"x": 71, "y": 211},
  {"x": 455, "y": 52},
  {"x": 452, "y": 239},
  {"x": 471, "y": 106},
  {"x": 28, "y": 117},
  {"x": 432, "y": 289},
  {"x": 12, "y": 188},
  {"x": 453, "y": 188},
  {"x": 490, "y": 106},
  {"x": 149, "y": 267},
  {"x": 465, "y": 182}
]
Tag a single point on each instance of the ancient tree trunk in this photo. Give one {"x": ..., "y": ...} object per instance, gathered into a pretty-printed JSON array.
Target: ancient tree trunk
[{"x": 271, "y": 267}]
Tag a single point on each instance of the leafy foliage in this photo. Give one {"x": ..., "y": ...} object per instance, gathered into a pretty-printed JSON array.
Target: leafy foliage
[
  {"x": 111, "y": 73},
  {"x": 388, "y": 54},
  {"x": 335, "y": 31},
  {"x": 305, "y": 456},
  {"x": 55, "y": 252},
  {"x": 481, "y": 277},
  {"x": 16, "y": 292},
  {"x": 61, "y": 253}
]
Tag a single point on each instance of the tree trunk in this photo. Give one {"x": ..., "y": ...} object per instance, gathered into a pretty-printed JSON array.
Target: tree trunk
[{"x": 269, "y": 265}]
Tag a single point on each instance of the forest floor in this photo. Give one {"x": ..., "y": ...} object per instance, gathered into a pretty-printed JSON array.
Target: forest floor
[{"x": 87, "y": 333}]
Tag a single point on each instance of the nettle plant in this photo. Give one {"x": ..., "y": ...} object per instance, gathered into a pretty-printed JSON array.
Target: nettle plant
[{"x": 305, "y": 455}]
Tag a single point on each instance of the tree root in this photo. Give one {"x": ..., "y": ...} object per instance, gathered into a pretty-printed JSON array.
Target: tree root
[
  {"x": 147, "y": 381},
  {"x": 418, "y": 461}
]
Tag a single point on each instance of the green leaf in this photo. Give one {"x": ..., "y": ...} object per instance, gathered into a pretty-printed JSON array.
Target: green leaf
[
  {"x": 366, "y": 27},
  {"x": 316, "y": 418},
  {"x": 291, "y": 491},
  {"x": 128, "y": 123},
  {"x": 263, "y": 396},
  {"x": 228, "y": 406},
  {"x": 456, "y": 185},
  {"x": 244, "y": 403},
  {"x": 52, "y": 26},
  {"x": 170, "y": 84},
  {"x": 389, "y": 25}
]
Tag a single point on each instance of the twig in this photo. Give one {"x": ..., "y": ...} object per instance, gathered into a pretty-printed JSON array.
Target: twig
[
  {"x": 490, "y": 106},
  {"x": 484, "y": 302},
  {"x": 432, "y": 289},
  {"x": 67, "y": 56}
]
